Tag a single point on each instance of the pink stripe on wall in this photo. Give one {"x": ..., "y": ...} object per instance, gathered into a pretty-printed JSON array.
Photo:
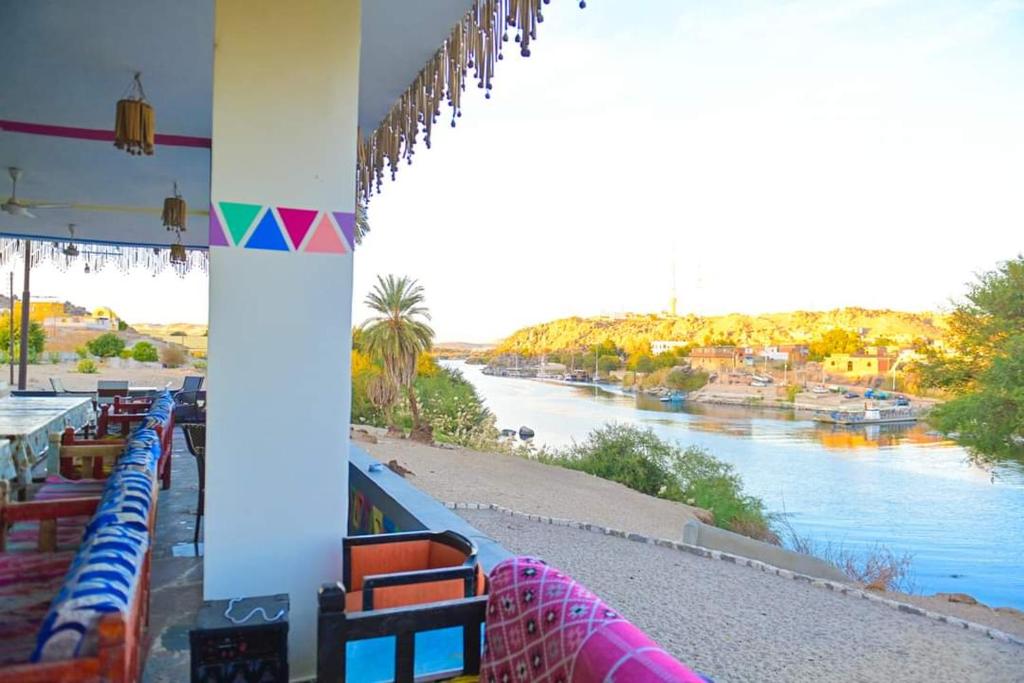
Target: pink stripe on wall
[{"x": 77, "y": 133}]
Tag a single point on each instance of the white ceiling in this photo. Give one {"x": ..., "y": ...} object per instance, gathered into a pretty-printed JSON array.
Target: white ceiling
[{"x": 66, "y": 62}]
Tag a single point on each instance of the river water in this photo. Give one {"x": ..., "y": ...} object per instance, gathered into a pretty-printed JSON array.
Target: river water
[{"x": 900, "y": 486}]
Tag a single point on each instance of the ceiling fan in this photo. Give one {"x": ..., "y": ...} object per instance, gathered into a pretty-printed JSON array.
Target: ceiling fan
[{"x": 17, "y": 208}]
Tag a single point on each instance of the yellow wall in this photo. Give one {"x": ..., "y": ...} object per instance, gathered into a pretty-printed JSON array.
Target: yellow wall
[
  {"x": 40, "y": 310},
  {"x": 851, "y": 366}
]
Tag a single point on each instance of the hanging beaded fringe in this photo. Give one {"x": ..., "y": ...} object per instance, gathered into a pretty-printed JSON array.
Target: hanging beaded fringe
[
  {"x": 474, "y": 44},
  {"x": 95, "y": 257}
]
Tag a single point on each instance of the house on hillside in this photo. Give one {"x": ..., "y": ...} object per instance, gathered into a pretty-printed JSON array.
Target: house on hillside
[
  {"x": 872, "y": 362},
  {"x": 715, "y": 358},
  {"x": 101, "y": 320},
  {"x": 794, "y": 354},
  {"x": 663, "y": 346}
]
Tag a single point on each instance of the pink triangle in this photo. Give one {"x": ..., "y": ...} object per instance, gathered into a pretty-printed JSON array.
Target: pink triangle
[
  {"x": 296, "y": 222},
  {"x": 217, "y": 238},
  {"x": 325, "y": 239}
]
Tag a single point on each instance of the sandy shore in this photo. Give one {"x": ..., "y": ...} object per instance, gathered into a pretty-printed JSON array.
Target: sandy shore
[
  {"x": 39, "y": 376},
  {"x": 461, "y": 475},
  {"x": 465, "y": 476}
]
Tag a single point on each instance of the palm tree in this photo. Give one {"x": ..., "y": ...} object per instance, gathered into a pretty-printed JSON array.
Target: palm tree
[
  {"x": 398, "y": 334},
  {"x": 362, "y": 221}
]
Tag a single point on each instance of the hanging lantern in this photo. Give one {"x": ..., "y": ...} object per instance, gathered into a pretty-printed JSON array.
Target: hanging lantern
[
  {"x": 178, "y": 254},
  {"x": 175, "y": 212},
  {"x": 71, "y": 251},
  {"x": 135, "y": 123}
]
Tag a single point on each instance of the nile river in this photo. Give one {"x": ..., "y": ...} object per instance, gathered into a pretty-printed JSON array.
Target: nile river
[{"x": 900, "y": 486}]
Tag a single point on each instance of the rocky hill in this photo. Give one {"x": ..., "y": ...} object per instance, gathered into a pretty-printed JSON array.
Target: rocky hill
[{"x": 635, "y": 331}]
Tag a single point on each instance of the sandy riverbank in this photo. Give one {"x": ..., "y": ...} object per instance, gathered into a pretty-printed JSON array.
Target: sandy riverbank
[
  {"x": 463, "y": 475},
  {"x": 39, "y": 376}
]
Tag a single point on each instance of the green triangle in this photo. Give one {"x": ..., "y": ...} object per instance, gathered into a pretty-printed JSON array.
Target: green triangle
[{"x": 238, "y": 217}]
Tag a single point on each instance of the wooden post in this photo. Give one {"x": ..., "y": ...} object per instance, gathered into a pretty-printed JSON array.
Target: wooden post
[{"x": 25, "y": 298}]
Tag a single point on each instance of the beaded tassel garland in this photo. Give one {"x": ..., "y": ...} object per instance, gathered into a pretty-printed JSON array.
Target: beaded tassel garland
[{"x": 474, "y": 44}]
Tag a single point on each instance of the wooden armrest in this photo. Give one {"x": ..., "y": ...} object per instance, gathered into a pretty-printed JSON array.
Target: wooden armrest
[
  {"x": 46, "y": 512},
  {"x": 35, "y": 510}
]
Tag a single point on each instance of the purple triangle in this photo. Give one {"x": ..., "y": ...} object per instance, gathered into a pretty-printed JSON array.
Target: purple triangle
[
  {"x": 217, "y": 238},
  {"x": 347, "y": 223}
]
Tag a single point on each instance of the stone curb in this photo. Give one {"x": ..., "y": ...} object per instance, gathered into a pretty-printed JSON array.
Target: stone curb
[{"x": 845, "y": 589}]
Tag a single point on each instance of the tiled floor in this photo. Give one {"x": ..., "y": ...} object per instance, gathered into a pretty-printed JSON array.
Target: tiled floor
[{"x": 176, "y": 581}]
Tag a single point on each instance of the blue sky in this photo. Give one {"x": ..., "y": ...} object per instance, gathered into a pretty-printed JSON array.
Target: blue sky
[{"x": 800, "y": 154}]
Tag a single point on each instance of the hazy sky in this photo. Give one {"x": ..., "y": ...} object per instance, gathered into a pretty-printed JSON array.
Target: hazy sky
[{"x": 795, "y": 154}]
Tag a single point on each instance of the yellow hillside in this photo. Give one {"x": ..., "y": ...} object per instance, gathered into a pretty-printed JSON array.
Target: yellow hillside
[{"x": 635, "y": 331}]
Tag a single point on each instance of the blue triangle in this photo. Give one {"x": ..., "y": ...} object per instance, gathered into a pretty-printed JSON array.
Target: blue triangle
[{"x": 267, "y": 234}]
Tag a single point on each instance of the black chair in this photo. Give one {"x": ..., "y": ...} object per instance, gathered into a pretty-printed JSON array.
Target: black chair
[
  {"x": 191, "y": 383},
  {"x": 190, "y": 406},
  {"x": 195, "y": 440}
]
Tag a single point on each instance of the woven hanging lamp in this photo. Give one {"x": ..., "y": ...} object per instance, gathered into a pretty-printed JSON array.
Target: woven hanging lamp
[
  {"x": 175, "y": 212},
  {"x": 178, "y": 254},
  {"x": 135, "y": 122}
]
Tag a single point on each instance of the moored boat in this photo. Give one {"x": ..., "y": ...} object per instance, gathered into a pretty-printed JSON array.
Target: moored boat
[{"x": 868, "y": 416}]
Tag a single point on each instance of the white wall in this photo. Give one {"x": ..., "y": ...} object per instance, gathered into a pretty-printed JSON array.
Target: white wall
[{"x": 284, "y": 133}]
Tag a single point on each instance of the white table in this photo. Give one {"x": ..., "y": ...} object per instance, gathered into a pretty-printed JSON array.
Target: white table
[{"x": 26, "y": 423}]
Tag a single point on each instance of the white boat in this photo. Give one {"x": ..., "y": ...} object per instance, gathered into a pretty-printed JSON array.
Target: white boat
[{"x": 868, "y": 416}]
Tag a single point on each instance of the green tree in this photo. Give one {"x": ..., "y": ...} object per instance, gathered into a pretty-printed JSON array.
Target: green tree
[
  {"x": 36, "y": 338},
  {"x": 106, "y": 345},
  {"x": 144, "y": 352},
  {"x": 398, "y": 334},
  {"x": 608, "y": 363},
  {"x": 666, "y": 359},
  {"x": 983, "y": 366},
  {"x": 641, "y": 363},
  {"x": 836, "y": 340}
]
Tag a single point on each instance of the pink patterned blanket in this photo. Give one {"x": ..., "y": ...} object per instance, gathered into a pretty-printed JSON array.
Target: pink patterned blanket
[{"x": 542, "y": 626}]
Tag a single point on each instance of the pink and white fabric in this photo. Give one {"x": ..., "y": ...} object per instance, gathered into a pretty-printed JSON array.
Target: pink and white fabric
[{"x": 544, "y": 627}]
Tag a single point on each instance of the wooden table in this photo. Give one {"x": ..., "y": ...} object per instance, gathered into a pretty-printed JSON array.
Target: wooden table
[{"x": 26, "y": 423}]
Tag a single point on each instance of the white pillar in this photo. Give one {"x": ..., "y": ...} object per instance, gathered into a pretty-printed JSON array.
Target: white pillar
[{"x": 285, "y": 105}]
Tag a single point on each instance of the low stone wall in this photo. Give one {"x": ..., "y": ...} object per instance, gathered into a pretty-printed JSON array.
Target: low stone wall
[
  {"x": 380, "y": 501},
  {"x": 713, "y": 538}
]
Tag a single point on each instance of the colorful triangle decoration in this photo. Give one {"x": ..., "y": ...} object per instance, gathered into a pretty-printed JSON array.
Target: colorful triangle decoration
[
  {"x": 239, "y": 217},
  {"x": 347, "y": 223},
  {"x": 297, "y": 222},
  {"x": 217, "y": 238},
  {"x": 267, "y": 234},
  {"x": 325, "y": 238}
]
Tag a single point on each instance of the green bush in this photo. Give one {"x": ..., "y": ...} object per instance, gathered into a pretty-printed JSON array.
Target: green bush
[
  {"x": 686, "y": 380},
  {"x": 144, "y": 352},
  {"x": 87, "y": 366},
  {"x": 639, "y": 459},
  {"x": 457, "y": 414},
  {"x": 791, "y": 391},
  {"x": 36, "y": 337},
  {"x": 125, "y": 354},
  {"x": 121, "y": 326},
  {"x": 54, "y": 357},
  {"x": 106, "y": 345},
  {"x": 82, "y": 352},
  {"x": 199, "y": 365}
]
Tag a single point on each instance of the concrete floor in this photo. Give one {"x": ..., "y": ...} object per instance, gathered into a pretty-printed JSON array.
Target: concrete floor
[{"x": 176, "y": 582}]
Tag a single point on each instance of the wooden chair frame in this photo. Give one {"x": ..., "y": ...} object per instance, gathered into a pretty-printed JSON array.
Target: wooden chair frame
[{"x": 121, "y": 641}]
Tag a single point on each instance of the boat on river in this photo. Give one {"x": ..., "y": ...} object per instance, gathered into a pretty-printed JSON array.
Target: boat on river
[
  {"x": 674, "y": 397},
  {"x": 868, "y": 416}
]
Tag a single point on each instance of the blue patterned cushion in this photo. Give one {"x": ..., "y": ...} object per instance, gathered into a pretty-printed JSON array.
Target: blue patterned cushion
[
  {"x": 102, "y": 578},
  {"x": 104, "y": 573}
]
